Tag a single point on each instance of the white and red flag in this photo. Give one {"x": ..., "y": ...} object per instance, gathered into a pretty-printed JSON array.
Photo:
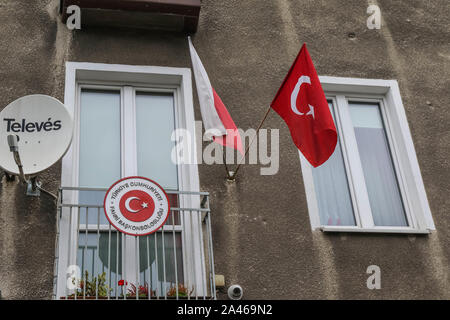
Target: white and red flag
[
  {"x": 301, "y": 103},
  {"x": 215, "y": 116}
]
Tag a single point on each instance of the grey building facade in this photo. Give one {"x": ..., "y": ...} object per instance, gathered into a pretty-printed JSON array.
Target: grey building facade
[{"x": 262, "y": 234}]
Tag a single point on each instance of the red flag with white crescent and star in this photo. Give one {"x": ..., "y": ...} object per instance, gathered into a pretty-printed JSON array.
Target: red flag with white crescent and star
[{"x": 301, "y": 103}]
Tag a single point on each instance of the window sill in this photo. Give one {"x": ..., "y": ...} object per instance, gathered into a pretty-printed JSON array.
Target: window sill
[{"x": 374, "y": 230}]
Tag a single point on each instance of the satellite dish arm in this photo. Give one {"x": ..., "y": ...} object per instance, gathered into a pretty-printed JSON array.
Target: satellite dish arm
[
  {"x": 14, "y": 148},
  {"x": 19, "y": 164}
]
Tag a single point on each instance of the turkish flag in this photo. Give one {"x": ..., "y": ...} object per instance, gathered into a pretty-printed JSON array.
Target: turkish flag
[{"x": 301, "y": 103}]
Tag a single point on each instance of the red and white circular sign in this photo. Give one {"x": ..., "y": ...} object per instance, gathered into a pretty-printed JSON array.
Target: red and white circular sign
[{"x": 136, "y": 206}]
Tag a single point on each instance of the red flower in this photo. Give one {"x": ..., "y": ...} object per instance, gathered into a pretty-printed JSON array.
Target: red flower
[{"x": 122, "y": 282}]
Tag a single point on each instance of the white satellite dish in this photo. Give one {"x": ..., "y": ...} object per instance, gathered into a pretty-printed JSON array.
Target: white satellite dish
[{"x": 44, "y": 127}]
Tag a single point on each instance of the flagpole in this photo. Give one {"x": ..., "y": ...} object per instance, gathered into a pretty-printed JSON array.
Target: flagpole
[
  {"x": 232, "y": 178},
  {"x": 225, "y": 163}
]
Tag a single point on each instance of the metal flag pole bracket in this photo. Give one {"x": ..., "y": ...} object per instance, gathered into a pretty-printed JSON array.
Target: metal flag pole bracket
[
  {"x": 233, "y": 174},
  {"x": 229, "y": 173},
  {"x": 33, "y": 187},
  {"x": 230, "y": 176}
]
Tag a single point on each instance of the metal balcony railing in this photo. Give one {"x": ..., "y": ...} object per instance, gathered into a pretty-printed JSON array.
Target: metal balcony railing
[{"x": 95, "y": 261}]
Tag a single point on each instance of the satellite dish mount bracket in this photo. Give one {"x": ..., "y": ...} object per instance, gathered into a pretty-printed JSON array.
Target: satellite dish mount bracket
[{"x": 33, "y": 185}]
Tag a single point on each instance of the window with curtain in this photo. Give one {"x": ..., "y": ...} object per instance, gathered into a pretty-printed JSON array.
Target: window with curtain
[
  {"x": 331, "y": 179},
  {"x": 366, "y": 184}
]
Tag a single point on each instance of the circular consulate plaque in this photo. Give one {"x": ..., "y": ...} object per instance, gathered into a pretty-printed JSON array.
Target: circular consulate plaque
[{"x": 136, "y": 206}]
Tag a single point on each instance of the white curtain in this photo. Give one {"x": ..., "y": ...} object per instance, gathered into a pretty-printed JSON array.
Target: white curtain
[
  {"x": 379, "y": 173},
  {"x": 332, "y": 191}
]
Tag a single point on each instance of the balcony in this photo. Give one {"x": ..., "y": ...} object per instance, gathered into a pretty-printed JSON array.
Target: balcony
[
  {"x": 171, "y": 15},
  {"x": 95, "y": 261}
]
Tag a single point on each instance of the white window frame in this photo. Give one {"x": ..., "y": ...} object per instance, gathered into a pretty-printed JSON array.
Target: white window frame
[
  {"x": 387, "y": 94},
  {"x": 128, "y": 79}
]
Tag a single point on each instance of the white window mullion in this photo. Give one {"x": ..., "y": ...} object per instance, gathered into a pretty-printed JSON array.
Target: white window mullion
[
  {"x": 129, "y": 168},
  {"x": 355, "y": 172},
  {"x": 341, "y": 141},
  {"x": 128, "y": 133}
]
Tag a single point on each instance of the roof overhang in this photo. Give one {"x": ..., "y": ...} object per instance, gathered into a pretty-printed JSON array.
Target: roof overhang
[{"x": 172, "y": 15}]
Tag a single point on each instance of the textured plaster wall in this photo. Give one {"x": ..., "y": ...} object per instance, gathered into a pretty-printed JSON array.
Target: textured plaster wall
[{"x": 261, "y": 230}]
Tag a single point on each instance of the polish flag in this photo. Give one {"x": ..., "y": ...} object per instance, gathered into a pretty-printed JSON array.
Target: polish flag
[
  {"x": 301, "y": 103},
  {"x": 216, "y": 119}
]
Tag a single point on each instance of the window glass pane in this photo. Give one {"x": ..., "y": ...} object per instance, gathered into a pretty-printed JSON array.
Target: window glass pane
[
  {"x": 332, "y": 190},
  {"x": 99, "y": 164},
  {"x": 99, "y": 138},
  {"x": 155, "y": 122},
  {"x": 102, "y": 260},
  {"x": 160, "y": 270},
  {"x": 379, "y": 173}
]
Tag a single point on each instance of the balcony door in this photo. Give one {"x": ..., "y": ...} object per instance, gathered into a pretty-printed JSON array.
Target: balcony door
[{"x": 128, "y": 130}]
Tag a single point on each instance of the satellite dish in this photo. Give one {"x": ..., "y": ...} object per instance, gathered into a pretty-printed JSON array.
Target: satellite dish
[{"x": 44, "y": 127}]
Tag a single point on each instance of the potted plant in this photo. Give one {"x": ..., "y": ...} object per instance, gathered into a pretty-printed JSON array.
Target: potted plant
[
  {"x": 91, "y": 288},
  {"x": 142, "y": 291},
  {"x": 183, "y": 292}
]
